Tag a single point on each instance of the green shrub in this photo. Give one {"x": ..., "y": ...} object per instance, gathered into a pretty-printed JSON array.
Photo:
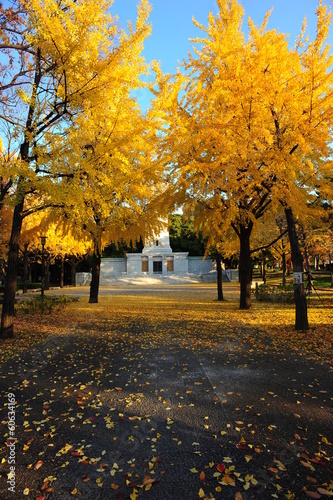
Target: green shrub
[
  {"x": 30, "y": 286},
  {"x": 275, "y": 293},
  {"x": 42, "y": 305}
]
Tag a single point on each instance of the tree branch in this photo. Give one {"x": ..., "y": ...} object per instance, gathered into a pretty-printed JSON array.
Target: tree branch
[
  {"x": 33, "y": 210},
  {"x": 234, "y": 227},
  {"x": 269, "y": 244}
]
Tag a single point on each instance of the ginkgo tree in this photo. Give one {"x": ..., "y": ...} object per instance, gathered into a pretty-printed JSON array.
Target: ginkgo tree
[
  {"x": 8, "y": 158},
  {"x": 65, "y": 245},
  {"x": 247, "y": 128},
  {"x": 57, "y": 59},
  {"x": 6, "y": 214},
  {"x": 116, "y": 183},
  {"x": 302, "y": 117},
  {"x": 62, "y": 243},
  {"x": 317, "y": 238}
]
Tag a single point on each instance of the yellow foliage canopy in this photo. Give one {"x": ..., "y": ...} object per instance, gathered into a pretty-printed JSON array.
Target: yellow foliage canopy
[{"x": 250, "y": 124}]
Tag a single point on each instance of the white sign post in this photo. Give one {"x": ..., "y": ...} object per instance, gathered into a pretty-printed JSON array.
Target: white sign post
[{"x": 298, "y": 278}]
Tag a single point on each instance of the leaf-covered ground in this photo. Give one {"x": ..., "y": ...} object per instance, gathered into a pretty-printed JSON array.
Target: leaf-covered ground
[{"x": 168, "y": 394}]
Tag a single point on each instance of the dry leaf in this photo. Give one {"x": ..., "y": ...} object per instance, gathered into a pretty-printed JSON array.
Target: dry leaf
[
  {"x": 307, "y": 465},
  {"x": 220, "y": 467},
  {"x": 312, "y": 494}
]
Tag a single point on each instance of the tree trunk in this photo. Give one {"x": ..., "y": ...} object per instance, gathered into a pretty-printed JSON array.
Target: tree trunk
[
  {"x": 307, "y": 262},
  {"x": 317, "y": 267},
  {"x": 245, "y": 264},
  {"x": 62, "y": 271},
  {"x": 308, "y": 272},
  {"x": 47, "y": 274},
  {"x": 284, "y": 269},
  {"x": 96, "y": 265},
  {"x": 7, "y": 316},
  {"x": 331, "y": 269},
  {"x": 219, "y": 276},
  {"x": 25, "y": 268},
  {"x": 263, "y": 267},
  {"x": 73, "y": 267},
  {"x": 301, "y": 321}
]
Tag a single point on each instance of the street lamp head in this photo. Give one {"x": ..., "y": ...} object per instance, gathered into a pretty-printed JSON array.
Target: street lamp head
[{"x": 43, "y": 240}]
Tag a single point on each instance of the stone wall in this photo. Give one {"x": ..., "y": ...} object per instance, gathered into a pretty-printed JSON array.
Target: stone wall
[
  {"x": 231, "y": 274},
  {"x": 172, "y": 263},
  {"x": 82, "y": 279},
  {"x": 198, "y": 266},
  {"x": 113, "y": 267}
]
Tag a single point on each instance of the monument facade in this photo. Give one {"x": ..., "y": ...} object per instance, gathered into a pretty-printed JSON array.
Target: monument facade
[{"x": 157, "y": 258}]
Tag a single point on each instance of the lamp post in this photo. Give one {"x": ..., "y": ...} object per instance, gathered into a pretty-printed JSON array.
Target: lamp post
[{"x": 43, "y": 241}]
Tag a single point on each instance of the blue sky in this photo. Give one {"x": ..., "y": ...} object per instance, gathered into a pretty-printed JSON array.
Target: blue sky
[{"x": 172, "y": 24}]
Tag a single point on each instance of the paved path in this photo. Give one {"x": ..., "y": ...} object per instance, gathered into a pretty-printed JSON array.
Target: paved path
[
  {"x": 125, "y": 407},
  {"x": 231, "y": 290}
]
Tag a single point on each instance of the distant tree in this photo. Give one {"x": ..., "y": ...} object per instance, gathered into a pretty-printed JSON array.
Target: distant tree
[
  {"x": 121, "y": 248},
  {"x": 184, "y": 237},
  {"x": 62, "y": 244}
]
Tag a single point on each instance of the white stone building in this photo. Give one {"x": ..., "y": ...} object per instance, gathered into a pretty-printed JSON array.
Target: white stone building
[{"x": 158, "y": 260}]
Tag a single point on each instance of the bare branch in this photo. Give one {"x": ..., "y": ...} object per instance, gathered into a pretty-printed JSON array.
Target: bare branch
[{"x": 264, "y": 247}]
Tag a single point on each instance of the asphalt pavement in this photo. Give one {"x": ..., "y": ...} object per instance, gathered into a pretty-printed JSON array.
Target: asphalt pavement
[{"x": 125, "y": 412}]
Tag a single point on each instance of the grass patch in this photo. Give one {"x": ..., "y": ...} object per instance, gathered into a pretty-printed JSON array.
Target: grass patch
[
  {"x": 323, "y": 281},
  {"x": 275, "y": 293},
  {"x": 42, "y": 305}
]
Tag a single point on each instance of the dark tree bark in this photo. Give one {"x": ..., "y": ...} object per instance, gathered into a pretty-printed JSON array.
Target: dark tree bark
[
  {"x": 308, "y": 270},
  {"x": 25, "y": 268},
  {"x": 263, "y": 267},
  {"x": 96, "y": 266},
  {"x": 73, "y": 269},
  {"x": 7, "y": 316},
  {"x": 47, "y": 273},
  {"x": 284, "y": 269},
  {"x": 301, "y": 320},
  {"x": 331, "y": 269},
  {"x": 62, "y": 271},
  {"x": 219, "y": 276},
  {"x": 317, "y": 263},
  {"x": 29, "y": 273},
  {"x": 245, "y": 266}
]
